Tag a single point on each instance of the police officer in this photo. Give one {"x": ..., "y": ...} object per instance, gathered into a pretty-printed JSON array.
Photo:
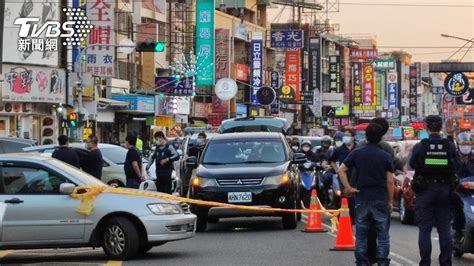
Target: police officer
[{"x": 434, "y": 161}]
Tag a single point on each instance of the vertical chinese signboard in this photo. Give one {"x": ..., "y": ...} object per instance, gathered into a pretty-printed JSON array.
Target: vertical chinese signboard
[
  {"x": 315, "y": 74},
  {"x": 357, "y": 73},
  {"x": 275, "y": 84},
  {"x": 222, "y": 53},
  {"x": 378, "y": 89},
  {"x": 392, "y": 90},
  {"x": 412, "y": 92},
  {"x": 205, "y": 40},
  {"x": 256, "y": 49},
  {"x": 368, "y": 84},
  {"x": 335, "y": 74},
  {"x": 100, "y": 60},
  {"x": 292, "y": 70}
]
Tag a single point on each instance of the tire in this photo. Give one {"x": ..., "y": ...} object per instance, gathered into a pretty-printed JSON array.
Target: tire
[
  {"x": 213, "y": 220},
  {"x": 144, "y": 249},
  {"x": 406, "y": 217},
  {"x": 289, "y": 220},
  {"x": 457, "y": 252},
  {"x": 120, "y": 239},
  {"x": 201, "y": 223}
]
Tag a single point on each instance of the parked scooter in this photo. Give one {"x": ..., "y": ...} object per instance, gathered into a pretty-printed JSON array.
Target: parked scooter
[
  {"x": 308, "y": 181},
  {"x": 466, "y": 193}
]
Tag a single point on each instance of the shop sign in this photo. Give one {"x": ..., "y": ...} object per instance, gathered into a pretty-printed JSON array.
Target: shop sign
[
  {"x": 266, "y": 95},
  {"x": 384, "y": 64},
  {"x": 15, "y": 108},
  {"x": 222, "y": 59},
  {"x": 286, "y": 38},
  {"x": 364, "y": 54},
  {"x": 466, "y": 99},
  {"x": 412, "y": 92},
  {"x": 241, "y": 31},
  {"x": 357, "y": 74},
  {"x": 218, "y": 105},
  {"x": 257, "y": 64},
  {"x": 292, "y": 69},
  {"x": 164, "y": 121},
  {"x": 100, "y": 60},
  {"x": 241, "y": 72},
  {"x": 287, "y": 94},
  {"x": 200, "y": 109},
  {"x": 306, "y": 97},
  {"x": 172, "y": 87},
  {"x": 205, "y": 41},
  {"x": 143, "y": 104},
  {"x": 379, "y": 89},
  {"x": 342, "y": 110},
  {"x": 315, "y": 74},
  {"x": 456, "y": 84},
  {"x": 33, "y": 84},
  {"x": 215, "y": 120},
  {"x": 334, "y": 74},
  {"x": 340, "y": 121},
  {"x": 368, "y": 85}
]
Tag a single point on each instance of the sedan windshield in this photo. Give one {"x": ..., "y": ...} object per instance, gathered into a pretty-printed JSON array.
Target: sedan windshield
[{"x": 244, "y": 151}]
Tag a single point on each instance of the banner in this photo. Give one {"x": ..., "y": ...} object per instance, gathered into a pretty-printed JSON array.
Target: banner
[
  {"x": 368, "y": 85},
  {"x": 378, "y": 89},
  {"x": 292, "y": 70},
  {"x": 275, "y": 84},
  {"x": 335, "y": 74},
  {"x": 100, "y": 60},
  {"x": 205, "y": 41},
  {"x": 256, "y": 49},
  {"x": 412, "y": 92},
  {"x": 384, "y": 64},
  {"x": 242, "y": 72},
  {"x": 364, "y": 54},
  {"x": 286, "y": 38},
  {"x": 357, "y": 78},
  {"x": 222, "y": 53},
  {"x": 315, "y": 74},
  {"x": 392, "y": 90}
]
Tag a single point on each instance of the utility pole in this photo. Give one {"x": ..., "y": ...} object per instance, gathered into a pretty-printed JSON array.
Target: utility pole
[{"x": 2, "y": 11}]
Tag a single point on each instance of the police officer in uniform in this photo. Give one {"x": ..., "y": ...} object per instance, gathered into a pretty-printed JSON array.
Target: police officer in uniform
[{"x": 434, "y": 161}]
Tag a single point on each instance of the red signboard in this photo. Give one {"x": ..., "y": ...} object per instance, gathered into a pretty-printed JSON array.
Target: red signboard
[
  {"x": 222, "y": 53},
  {"x": 241, "y": 72},
  {"x": 368, "y": 84},
  {"x": 292, "y": 70},
  {"x": 219, "y": 106},
  {"x": 364, "y": 54},
  {"x": 215, "y": 120}
]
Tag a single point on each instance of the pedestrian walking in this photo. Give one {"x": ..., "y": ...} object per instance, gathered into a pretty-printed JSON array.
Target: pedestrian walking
[
  {"x": 133, "y": 163},
  {"x": 373, "y": 194},
  {"x": 92, "y": 162},
  {"x": 434, "y": 161},
  {"x": 65, "y": 153},
  {"x": 164, "y": 155}
]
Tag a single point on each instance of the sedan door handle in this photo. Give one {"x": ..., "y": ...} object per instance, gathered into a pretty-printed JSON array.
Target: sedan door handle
[{"x": 14, "y": 201}]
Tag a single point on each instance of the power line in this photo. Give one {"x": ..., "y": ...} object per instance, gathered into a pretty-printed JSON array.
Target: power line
[
  {"x": 418, "y": 47},
  {"x": 405, "y": 5}
]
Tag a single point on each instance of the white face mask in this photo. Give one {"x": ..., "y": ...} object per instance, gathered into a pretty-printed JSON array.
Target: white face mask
[
  {"x": 295, "y": 148},
  {"x": 465, "y": 149},
  {"x": 346, "y": 139},
  {"x": 339, "y": 143},
  {"x": 305, "y": 149}
]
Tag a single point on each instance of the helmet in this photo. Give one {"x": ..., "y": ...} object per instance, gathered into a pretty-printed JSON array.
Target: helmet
[
  {"x": 147, "y": 185},
  {"x": 326, "y": 139},
  {"x": 306, "y": 142},
  {"x": 338, "y": 135}
]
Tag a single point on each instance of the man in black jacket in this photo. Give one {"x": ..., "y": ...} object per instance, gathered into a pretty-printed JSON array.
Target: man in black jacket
[
  {"x": 92, "y": 163},
  {"x": 66, "y": 154}
]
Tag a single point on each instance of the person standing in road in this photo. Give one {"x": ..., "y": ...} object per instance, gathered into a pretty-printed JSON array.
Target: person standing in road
[
  {"x": 373, "y": 194},
  {"x": 133, "y": 163},
  {"x": 65, "y": 153},
  {"x": 92, "y": 163},
  {"x": 434, "y": 161},
  {"x": 164, "y": 155},
  {"x": 198, "y": 148}
]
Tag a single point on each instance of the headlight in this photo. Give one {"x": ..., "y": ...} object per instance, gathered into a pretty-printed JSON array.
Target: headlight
[
  {"x": 164, "y": 208},
  {"x": 277, "y": 180},
  {"x": 198, "y": 181}
]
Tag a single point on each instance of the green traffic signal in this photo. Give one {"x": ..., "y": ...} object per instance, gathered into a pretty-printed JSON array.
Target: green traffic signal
[
  {"x": 159, "y": 47},
  {"x": 149, "y": 46}
]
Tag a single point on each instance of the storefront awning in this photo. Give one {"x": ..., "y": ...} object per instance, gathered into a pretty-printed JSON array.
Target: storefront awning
[{"x": 105, "y": 102}]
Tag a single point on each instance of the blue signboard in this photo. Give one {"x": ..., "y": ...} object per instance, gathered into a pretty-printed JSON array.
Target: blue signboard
[
  {"x": 173, "y": 87},
  {"x": 241, "y": 109},
  {"x": 286, "y": 38},
  {"x": 256, "y": 49},
  {"x": 137, "y": 103},
  {"x": 392, "y": 90}
]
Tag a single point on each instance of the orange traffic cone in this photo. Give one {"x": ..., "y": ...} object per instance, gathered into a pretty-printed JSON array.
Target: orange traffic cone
[
  {"x": 344, "y": 239},
  {"x": 313, "y": 223}
]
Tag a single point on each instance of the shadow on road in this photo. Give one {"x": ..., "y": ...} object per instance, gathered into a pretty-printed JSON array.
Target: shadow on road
[{"x": 242, "y": 225}]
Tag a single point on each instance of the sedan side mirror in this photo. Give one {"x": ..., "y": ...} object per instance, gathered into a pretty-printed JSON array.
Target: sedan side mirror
[
  {"x": 66, "y": 188},
  {"x": 191, "y": 161},
  {"x": 299, "y": 158}
]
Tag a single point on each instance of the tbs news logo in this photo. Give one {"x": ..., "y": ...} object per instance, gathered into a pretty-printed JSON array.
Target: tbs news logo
[{"x": 36, "y": 36}]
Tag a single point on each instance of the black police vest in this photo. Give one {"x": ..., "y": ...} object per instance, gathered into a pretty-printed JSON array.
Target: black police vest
[{"x": 434, "y": 161}]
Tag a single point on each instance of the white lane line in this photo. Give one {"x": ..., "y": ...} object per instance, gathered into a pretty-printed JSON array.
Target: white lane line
[{"x": 304, "y": 218}]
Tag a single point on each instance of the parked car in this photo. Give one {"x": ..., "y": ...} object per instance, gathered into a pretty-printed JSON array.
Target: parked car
[
  {"x": 113, "y": 160},
  {"x": 40, "y": 213},
  {"x": 256, "y": 169},
  {"x": 14, "y": 145},
  {"x": 255, "y": 124}
]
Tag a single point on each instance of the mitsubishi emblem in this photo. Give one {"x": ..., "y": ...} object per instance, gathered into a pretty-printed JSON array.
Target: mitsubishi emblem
[{"x": 239, "y": 182}]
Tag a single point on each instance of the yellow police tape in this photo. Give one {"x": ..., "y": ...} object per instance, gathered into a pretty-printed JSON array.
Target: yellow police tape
[{"x": 87, "y": 195}]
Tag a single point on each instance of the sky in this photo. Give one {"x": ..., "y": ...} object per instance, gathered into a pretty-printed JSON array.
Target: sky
[{"x": 405, "y": 26}]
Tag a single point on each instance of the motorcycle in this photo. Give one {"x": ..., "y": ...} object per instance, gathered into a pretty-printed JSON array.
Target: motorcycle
[
  {"x": 465, "y": 191},
  {"x": 310, "y": 179},
  {"x": 334, "y": 194}
]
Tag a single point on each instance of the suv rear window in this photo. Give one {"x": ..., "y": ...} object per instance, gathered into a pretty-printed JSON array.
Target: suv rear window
[{"x": 252, "y": 124}]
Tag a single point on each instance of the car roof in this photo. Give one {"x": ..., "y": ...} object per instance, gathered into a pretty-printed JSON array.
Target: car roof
[
  {"x": 278, "y": 122},
  {"x": 27, "y": 157},
  {"x": 248, "y": 135},
  {"x": 72, "y": 145},
  {"x": 20, "y": 140}
]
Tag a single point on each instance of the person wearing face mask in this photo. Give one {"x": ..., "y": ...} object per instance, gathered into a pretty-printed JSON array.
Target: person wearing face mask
[
  {"x": 338, "y": 139},
  {"x": 306, "y": 148},
  {"x": 92, "y": 162},
  {"x": 198, "y": 148},
  {"x": 164, "y": 155},
  {"x": 295, "y": 146},
  {"x": 466, "y": 169}
]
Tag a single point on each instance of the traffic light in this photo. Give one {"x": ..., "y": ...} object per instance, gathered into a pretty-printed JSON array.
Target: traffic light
[
  {"x": 73, "y": 120},
  {"x": 156, "y": 47}
]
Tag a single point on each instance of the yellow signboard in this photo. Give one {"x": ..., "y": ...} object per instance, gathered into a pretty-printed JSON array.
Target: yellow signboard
[
  {"x": 364, "y": 108},
  {"x": 342, "y": 110},
  {"x": 86, "y": 132},
  {"x": 164, "y": 121}
]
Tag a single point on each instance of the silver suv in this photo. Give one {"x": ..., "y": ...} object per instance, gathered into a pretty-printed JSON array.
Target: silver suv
[{"x": 37, "y": 211}]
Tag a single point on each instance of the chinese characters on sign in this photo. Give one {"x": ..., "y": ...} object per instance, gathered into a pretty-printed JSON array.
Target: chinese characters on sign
[
  {"x": 384, "y": 64},
  {"x": 392, "y": 90},
  {"x": 222, "y": 53},
  {"x": 275, "y": 84},
  {"x": 292, "y": 70},
  {"x": 286, "y": 38},
  {"x": 334, "y": 74},
  {"x": 183, "y": 87},
  {"x": 378, "y": 89},
  {"x": 315, "y": 74},
  {"x": 357, "y": 73},
  {"x": 256, "y": 48},
  {"x": 412, "y": 92},
  {"x": 205, "y": 40},
  {"x": 100, "y": 60},
  {"x": 364, "y": 54},
  {"x": 368, "y": 86}
]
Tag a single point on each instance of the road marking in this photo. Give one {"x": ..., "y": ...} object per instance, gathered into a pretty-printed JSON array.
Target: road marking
[
  {"x": 114, "y": 263},
  {"x": 400, "y": 257},
  {"x": 4, "y": 253}
]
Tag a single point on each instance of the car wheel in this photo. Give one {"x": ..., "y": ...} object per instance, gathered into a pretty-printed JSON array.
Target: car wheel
[
  {"x": 213, "y": 220},
  {"x": 144, "y": 249},
  {"x": 457, "y": 252},
  {"x": 406, "y": 217},
  {"x": 120, "y": 239},
  {"x": 115, "y": 183},
  {"x": 289, "y": 219}
]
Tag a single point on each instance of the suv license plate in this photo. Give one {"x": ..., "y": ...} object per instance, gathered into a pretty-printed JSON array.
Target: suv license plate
[{"x": 239, "y": 197}]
